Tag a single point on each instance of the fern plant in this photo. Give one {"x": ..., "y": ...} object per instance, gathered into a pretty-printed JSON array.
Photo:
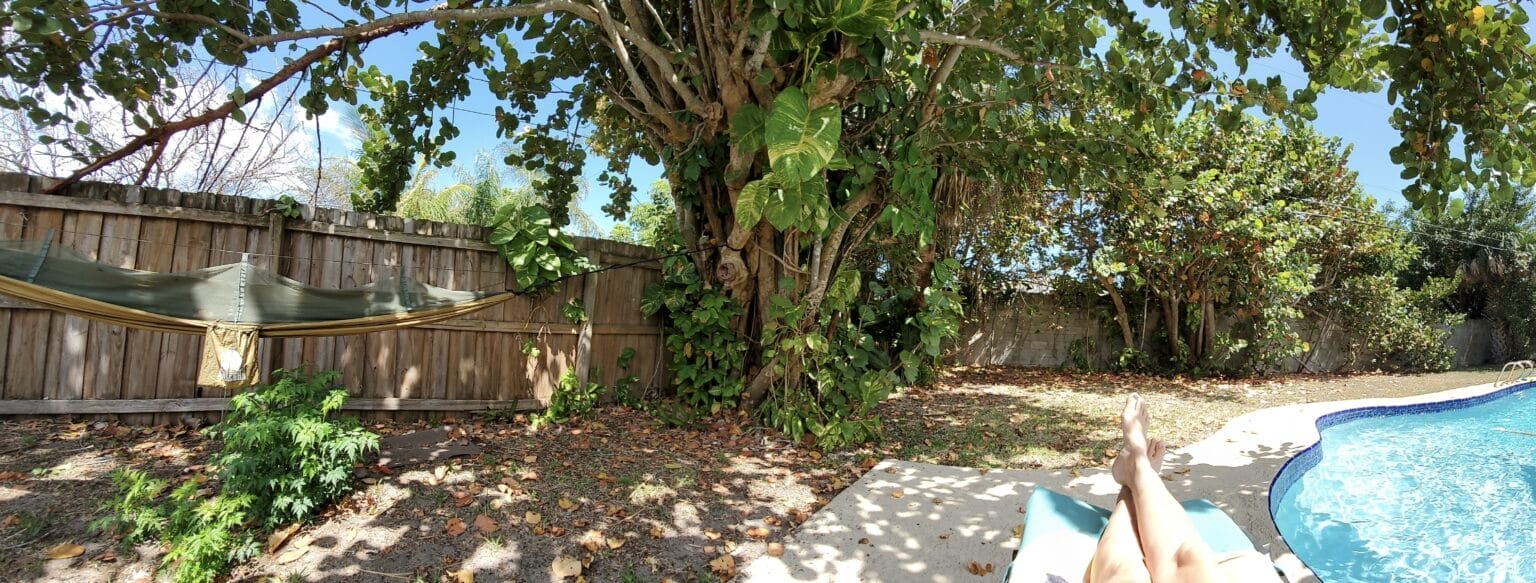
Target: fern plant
[
  {"x": 283, "y": 457},
  {"x": 284, "y": 449}
]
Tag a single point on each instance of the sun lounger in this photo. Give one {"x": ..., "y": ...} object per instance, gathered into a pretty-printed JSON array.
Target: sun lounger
[{"x": 1061, "y": 533}]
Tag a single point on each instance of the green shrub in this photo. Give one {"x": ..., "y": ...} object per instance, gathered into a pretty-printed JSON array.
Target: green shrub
[
  {"x": 570, "y": 399},
  {"x": 283, "y": 457},
  {"x": 282, "y": 448},
  {"x": 708, "y": 356}
]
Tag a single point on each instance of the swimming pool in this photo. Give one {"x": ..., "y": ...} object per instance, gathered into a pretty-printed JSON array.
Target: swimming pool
[{"x": 1429, "y": 492}]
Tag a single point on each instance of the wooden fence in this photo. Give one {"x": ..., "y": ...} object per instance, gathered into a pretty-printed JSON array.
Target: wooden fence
[{"x": 51, "y": 363}]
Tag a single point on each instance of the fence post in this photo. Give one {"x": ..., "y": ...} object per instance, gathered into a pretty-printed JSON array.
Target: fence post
[
  {"x": 584, "y": 341},
  {"x": 277, "y": 227}
]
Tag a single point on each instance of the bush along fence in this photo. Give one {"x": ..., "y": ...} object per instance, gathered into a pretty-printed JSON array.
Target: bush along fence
[{"x": 510, "y": 356}]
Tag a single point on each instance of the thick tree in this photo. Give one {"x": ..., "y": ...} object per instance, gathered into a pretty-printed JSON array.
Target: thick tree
[{"x": 798, "y": 133}]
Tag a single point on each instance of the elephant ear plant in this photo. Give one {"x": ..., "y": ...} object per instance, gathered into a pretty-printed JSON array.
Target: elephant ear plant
[{"x": 283, "y": 456}]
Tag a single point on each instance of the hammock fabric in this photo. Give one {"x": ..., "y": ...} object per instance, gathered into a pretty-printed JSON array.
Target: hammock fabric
[{"x": 240, "y": 301}]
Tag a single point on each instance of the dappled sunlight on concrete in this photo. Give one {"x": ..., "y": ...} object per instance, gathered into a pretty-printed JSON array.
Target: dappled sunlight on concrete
[{"x": 908, "y": 521}]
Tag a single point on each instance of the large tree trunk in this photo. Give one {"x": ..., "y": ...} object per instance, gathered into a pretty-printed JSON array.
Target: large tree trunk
[
  {"x": 1171, "y": 325},
  {"x": 949, "y": 193},
  {"x": 1121, "y": 316},
  {"x": 1208, "y": 326}
]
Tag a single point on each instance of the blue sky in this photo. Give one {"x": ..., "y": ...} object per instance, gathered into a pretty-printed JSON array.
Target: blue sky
[{"x": 1358, "y": 119}]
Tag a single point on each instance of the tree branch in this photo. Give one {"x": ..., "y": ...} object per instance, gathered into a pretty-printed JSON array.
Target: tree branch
[
  {"x": 944, "y": 38},
  {"x": 281, "y": 76},
  {"x": 434, "y": 14},
  {"x": 946, "y": 67}
]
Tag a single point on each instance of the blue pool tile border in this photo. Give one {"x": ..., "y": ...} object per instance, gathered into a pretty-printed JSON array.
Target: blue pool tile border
[{"x": 1308, "y": 458}]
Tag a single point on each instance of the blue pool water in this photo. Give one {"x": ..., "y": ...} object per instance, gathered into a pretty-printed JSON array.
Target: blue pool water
[{"x": 1399, "y": 494}]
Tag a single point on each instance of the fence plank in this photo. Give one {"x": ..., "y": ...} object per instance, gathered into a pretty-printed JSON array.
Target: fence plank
[
  {"x": 63, "y": 203},
  {"x": 181, "y": 352},
  {"x": 203, "y": 404},
  {"x": 589, "y": 285},
  {"x": 478, "y": 358},
  {"x": 30, "y": 330},
  {"x": 143, "y": 355},
  {"x": 356, "y": 254},
  {"x": 108, "y": 342},
  {"x": 65, "y": 377}
]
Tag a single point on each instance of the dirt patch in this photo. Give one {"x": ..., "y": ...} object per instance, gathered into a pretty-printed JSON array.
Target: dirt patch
[
  {"x": 613, "y": 494},
  {"x": 1044, "y": 418}
]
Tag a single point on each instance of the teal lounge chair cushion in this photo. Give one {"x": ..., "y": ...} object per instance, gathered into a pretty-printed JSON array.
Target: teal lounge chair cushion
[{"x": 1061, "y": 533}]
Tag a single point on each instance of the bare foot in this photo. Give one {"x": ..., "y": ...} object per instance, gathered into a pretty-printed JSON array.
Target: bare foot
[
  {"x": 1124, "y": 467},
  {"x": 1156, "y": 449},
  {"x": 1133, "y": 424}
]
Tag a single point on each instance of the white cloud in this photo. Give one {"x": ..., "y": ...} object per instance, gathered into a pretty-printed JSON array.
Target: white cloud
[{"x": 332, "y": 126}]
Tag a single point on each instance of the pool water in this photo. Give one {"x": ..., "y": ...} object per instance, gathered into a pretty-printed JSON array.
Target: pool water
[{"x": 1417, "y": 496}]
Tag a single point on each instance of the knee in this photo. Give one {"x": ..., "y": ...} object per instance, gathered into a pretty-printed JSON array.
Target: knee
[{"x": 1119, "y": 571}]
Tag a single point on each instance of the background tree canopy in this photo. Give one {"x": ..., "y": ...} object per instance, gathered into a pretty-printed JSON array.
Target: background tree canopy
[{"x": 815, "y": 147}]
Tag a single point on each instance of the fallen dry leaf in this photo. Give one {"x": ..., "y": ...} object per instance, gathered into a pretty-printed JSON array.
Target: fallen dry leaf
[
  {"x": 532, "y": 518},
  {"x": 567, "y": 504},
  {"x": 280, "y": 537},
  {"x": 898, "y": 494},
  {"x": 455, "y": 526},
  {"x": 757, "y": 532},
  {"x": 593, "y": 541},
  {"x": 465, "y": 576},
  {"x": 438, "y": 473},
  {"x": 1018, "y": 531},
  {"x": 615, "y": 543},
  {"x": 462, "y": 499},
  {"x": 9, "y": 476},
  {"x": 10, "y": 521},
  {"x": 530, "y": 459},
  {"x": 108, "y": 556},
  {"x": 711, "y": 534},
  {"x": 656, "y": 532},
  {"x": 486, "y": 524},
  {"x": 864, "y": 541},
  {"x": 564, "y": 567},
  {"x": 292, "y": 554},
  {"x": 979, "y": 569},
  {"x": 775, "y": 549},
  {"x": 725, "y": 566},
  {"x": 66, "y": 551},
  {"x": 528, "y": 476}
]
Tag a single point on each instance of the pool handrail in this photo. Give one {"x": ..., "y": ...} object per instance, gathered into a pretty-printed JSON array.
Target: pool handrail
[{"x": 1522, "y": 370}]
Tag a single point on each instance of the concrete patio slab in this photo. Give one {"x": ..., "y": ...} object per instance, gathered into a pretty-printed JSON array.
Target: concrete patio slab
[{"x": 906, "y": 521}]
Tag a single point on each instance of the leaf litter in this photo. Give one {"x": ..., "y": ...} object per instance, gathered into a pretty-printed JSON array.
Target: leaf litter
[{"x": 596, "y": 464}]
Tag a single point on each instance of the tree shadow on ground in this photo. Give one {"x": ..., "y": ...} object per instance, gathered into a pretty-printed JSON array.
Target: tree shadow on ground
[
  {"x": 1101, "y": 383},
  {"x": 628, "y": 501},
  {"x": 55, "y": 476}
]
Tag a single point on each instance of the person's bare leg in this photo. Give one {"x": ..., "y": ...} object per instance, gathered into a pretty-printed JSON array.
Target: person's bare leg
[
  {"x": 1169, "y": 542},
  {"x": 1118, "y": 557}
]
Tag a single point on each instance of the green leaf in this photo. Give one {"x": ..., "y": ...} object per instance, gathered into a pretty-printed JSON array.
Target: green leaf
[
  {"x": 1373, "y": 8},
  {"x": 747, "y": 128},
  {"x": 749, "y": 203},
  {"x": 801, "y": 142},
  {"x": 856, "y": 18},
  {"x": 839, "y": 161},
  {"x": 782, "y": 207}
]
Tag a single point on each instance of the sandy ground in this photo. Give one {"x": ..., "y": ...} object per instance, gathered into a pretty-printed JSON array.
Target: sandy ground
[
  {"x": 668, "y": 503},
  {"x": 907, "y": 521}
]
